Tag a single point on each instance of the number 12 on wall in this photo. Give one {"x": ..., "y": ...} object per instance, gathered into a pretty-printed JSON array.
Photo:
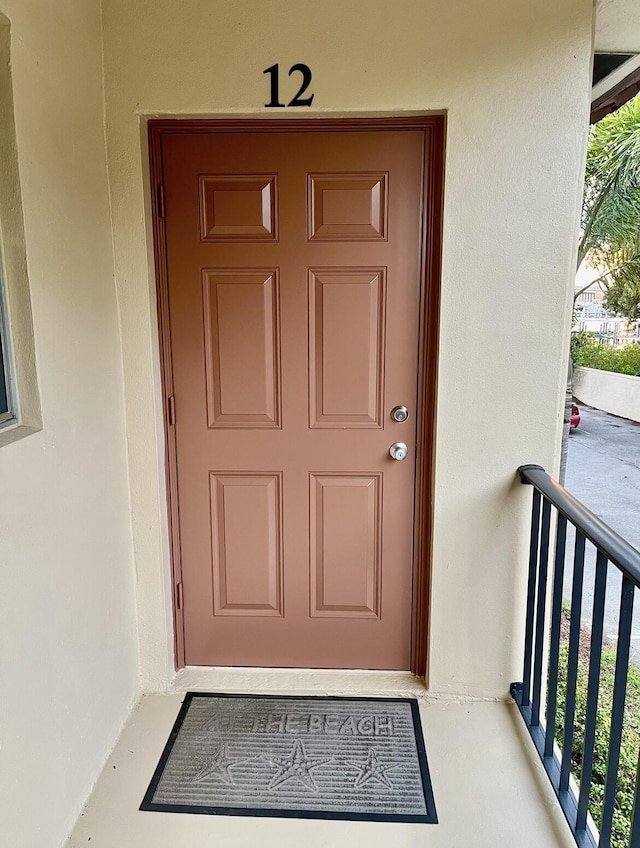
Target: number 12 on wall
[{"x": 298, "y": 100}]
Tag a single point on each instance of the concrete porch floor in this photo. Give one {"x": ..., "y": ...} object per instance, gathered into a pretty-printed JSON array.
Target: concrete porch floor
[{"x": 488, "y": 783}]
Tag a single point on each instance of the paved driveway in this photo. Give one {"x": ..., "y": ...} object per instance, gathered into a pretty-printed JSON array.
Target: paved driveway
[{"x": 603, "y": 471}]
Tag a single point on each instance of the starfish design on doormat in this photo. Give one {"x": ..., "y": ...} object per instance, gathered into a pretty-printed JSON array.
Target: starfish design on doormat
[
  {"x": 296, "y": 766},
  {"x": 372, "y": 769},
  {"x": 217, "y": 766}
]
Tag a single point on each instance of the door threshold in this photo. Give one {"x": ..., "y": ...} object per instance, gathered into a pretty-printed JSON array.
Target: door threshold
[{"x": 293, "y": 681}]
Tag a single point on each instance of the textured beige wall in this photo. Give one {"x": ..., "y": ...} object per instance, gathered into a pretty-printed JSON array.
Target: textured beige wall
[
  {"x": 617, "y": 26},
  {"x": 68, "y": 648},
  {"x": 514, "y": 78}
]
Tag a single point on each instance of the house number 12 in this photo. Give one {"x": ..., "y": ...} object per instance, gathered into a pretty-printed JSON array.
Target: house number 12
[{"x": 298, "y": 100}]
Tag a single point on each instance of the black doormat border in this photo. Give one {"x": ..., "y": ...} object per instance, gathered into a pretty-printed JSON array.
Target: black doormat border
[{"x": 430, "y": 817}]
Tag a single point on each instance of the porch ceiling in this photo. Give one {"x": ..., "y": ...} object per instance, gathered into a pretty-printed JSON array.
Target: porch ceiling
[{"x": 488, "y": 783}]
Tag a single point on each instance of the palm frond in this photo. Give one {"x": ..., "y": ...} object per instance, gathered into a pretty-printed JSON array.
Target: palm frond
[{"x": 610, "y": 235}]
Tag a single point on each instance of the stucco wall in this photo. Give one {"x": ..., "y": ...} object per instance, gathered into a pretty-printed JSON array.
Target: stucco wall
[
  {"x": 514, "y": 78},
  {"x": 615, "y": 393},
  {"x": 68, "y": 648},
  {"x": 617, "y": 26}
]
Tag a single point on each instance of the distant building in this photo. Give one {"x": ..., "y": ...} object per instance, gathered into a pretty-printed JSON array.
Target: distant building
[{"x": 591, "y": 315}]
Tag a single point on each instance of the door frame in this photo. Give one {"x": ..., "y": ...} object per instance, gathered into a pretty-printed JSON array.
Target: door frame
[{"x": 433, "y": 127}]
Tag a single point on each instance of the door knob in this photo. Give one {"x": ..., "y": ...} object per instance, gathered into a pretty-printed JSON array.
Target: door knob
[
  {"x": 398, "y": 451},
  {"x": 399, "y": 414}
]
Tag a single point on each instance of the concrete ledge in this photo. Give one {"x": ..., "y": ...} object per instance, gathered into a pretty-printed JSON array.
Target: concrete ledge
[{"x": 606, "y": 390}]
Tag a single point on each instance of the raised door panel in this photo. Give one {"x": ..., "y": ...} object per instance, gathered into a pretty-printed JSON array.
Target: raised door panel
[
  {"x": 246, "y": 540},
  {"x": 238, "y": 207},
  {"x": 242, "y": 348},
  {"x": 346, "y": 347},
  {"x": 345, "y": 545},
  {"x": 348, "y": 206}
]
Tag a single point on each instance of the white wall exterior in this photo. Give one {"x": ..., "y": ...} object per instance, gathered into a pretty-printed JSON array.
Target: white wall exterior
[
  {"x": 514, "y": 78},
  {"x": 85, "y": 498},
  {"x": 615, "y": 393},
  {"x": 68, "y": 648},
  {"x": 617, "y": 26}
]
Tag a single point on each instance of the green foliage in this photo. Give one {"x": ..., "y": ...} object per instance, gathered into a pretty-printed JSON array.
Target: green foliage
[
  {"x": 623, "y": 810},
  {"x": 612, "y": 179},
  {"x": 580, "y": 340},
  {"x": 622, "y": 294},
  {"x": 611, "y": 208},
  {"x": 588, "y": 353}
]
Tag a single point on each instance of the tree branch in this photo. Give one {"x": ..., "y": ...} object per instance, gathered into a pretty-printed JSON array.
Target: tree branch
[
  {"x": 591, "y": 218},
  {"x": 605, "y": 275}
]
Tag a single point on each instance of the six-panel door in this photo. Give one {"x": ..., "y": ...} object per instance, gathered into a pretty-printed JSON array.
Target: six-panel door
[{"x": 293, "y": 266}]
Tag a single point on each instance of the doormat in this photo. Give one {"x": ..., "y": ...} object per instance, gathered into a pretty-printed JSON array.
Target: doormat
[{"x": 310, "y": 757}]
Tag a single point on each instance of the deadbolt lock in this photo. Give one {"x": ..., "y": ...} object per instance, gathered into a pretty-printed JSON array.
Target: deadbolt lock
[{"x": 399, "y": 414}]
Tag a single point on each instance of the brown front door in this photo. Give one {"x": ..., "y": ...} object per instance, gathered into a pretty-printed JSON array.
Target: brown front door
[{"x": 294, "y": 264}]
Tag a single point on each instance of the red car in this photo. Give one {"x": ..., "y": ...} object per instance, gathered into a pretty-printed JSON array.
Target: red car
[{"x": 575, "y": 416}]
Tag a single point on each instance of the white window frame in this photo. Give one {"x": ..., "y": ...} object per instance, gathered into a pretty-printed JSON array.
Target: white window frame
[
  {"x": 6, "y": 372},
  {"x": 16, "y": 322}
]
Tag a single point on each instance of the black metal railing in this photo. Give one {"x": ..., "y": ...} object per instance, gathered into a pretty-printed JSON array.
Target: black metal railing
[{"x": 556, "y": 512}]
